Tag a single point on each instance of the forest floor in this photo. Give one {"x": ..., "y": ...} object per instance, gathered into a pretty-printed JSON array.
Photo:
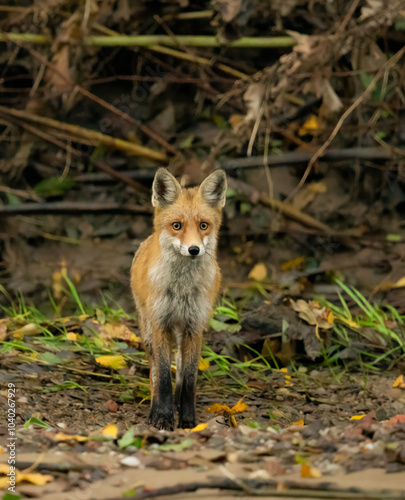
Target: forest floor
[{"x": 272, "y": 422}]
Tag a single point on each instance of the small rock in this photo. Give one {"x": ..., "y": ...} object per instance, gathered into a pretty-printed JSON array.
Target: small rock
[
  {"x": 131, "y": 461},
  {"x": 111, "y": 406}
]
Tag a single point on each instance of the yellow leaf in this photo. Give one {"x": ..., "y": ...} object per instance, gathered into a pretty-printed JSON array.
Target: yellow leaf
[
  {"x": 216, "y": 408},
  {"x": 199, "y": 427},
  {"x": 66, "y": 319},
  {"x": 400, "y": 282},
  {"x": 399, "y": 382},
  {"x": 82, "y": 317},
  {"x": 110, "y": 431},
  {"x": 4, "y": 469},
  {"x": 232, "y": 421},
  {"x": 258, "y": 273},
  {"x": 34, "y": 478},
  {"x": 357, "y": 417},
  {"x": 30, "y": 329},
  {"x": 135, "y": 338},
  {"x": 309, "y": 126},
  {"x": 117, "y": 362},
  {"x": 292, "y": 264},
  {"x": 203, "y": 364},
  {"x": 307, "y": 471},
  {"x": 71, "y": 336},
  {"x": 60, "y": 436},
  {"x": 330, "y": 317},
  {"x": 299, "y": 422},
  {"x": 239, "y": 407}
]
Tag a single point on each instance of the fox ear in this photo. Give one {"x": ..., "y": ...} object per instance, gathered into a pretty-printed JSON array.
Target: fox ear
[
  {"x": 213, "y": 189},
  {"x": 165, "y": 189}
]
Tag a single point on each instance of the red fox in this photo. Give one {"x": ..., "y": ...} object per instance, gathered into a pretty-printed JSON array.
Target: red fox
[{"x": 175, "y": 279}]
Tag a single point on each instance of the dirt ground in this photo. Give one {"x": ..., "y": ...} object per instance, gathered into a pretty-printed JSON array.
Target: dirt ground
[{"x": 296, "y": 432}]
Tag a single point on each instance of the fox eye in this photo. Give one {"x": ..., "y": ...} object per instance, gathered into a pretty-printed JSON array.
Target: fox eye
[
  {"x": 204, "y": 226},
  {"x": 176, "y": 226}
]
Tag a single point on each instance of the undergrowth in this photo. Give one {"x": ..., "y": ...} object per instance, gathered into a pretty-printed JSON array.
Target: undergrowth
[{"x": 365, "y": 335}]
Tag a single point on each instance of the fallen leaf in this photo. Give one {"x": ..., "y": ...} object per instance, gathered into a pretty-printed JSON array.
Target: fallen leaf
[
  {"x": 203, "y": 364},
  {"x": 399, "y": 382},
  {"x": 3, "y": 331},
  {"x": 299, "y": 422},
  {"x": 258, "y": 273},
  {"x": 312, "y": 313},
  {"x": 71, "y": 336},
  {"x": 30, "y": 329},
  {"x": 110, "y": 431},
  {"x": 239, "y": 407},
  {"x": 60, "y": 436},
  {"x": 33, "y": 477},
  {"x": 292, "y": 264},
  {"x": 307, "y": 471},
  {"x": 400, "y": 282},
  {"x": 398, "y": 419},
  {"x": 197, "y": 428},
  {"x": 357, "y": 417},
  {"x": 117, "y": 361},
  {"x": 310, "y": 126}
]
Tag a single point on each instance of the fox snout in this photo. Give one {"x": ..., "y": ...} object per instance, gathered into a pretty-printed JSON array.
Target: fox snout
[
  {"x": 194, "y": 250},
  {"x": 190, "y": 249}
]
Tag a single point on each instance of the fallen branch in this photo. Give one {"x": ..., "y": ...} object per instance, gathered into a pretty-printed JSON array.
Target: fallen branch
[
  {"x": 185, "y": 56},
  {"x": 281, "y": 489},
  {"x": 297, "y": 157},
  {"x": 294, "y": 213},
  {"x": 246, "y": 42},
  {"x": 92, "y": 136},
  {"x": 74, "y": 208},
  {"x": 109, "y": 172}
]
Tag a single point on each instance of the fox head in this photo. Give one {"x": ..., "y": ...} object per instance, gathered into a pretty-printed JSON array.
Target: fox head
[{"x": 188, "y": 220}]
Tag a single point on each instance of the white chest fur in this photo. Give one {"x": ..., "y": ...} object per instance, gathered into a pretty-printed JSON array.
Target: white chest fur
[{"x": 183, "y": 286}]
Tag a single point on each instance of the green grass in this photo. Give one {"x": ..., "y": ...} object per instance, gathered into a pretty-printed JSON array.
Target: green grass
[{"x": 375, "y": 332}]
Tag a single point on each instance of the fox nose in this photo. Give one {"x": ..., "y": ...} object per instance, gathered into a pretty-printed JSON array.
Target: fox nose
[{"x": 193, "y": 250}]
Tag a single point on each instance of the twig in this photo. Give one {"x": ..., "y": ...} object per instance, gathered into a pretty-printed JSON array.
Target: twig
[
  {"x": 67, "y": 207},
  {"x": 56, "y": 467},
  {"x": 94, "y": 137}
]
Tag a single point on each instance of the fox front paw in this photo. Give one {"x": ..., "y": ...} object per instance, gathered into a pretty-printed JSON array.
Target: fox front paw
[
  {"x": 186, "y": 423},
  {"x": 161, "y": 419}
]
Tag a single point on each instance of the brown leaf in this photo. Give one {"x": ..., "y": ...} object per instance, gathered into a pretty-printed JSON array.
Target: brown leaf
[{"x": 59, "y": 77}]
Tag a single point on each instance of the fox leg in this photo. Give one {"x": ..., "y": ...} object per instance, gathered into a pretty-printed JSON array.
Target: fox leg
[
  {"x": 161, "y": 414},
  {"x": 179, "y": 376},
  {"x": 190, "y": 356}
]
